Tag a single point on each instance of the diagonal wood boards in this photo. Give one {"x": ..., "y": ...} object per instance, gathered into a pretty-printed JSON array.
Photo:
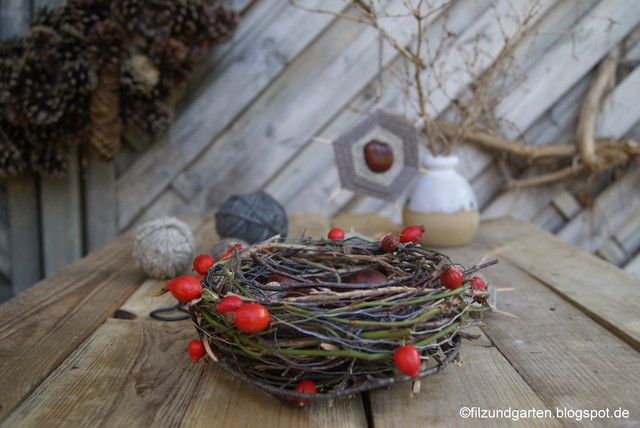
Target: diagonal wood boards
[{"x": 249, "y": 67}]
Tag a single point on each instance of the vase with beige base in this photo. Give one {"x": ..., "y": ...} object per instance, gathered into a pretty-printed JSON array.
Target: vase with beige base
[{"x": 443, "y": 202}]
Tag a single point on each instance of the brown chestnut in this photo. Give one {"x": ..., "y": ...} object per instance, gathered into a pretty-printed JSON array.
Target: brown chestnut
[
  {"x": 378, "y": 156},
  {"x": 365, "y": 276}
]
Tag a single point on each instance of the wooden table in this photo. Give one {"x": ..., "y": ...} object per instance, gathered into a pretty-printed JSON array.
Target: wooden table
[{"x": 79, "y": 348}]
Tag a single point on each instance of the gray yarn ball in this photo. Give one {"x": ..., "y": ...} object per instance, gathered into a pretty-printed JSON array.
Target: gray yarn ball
[
  {"x": 253, "y": 217},
  {"x": 164, "y": 247}
]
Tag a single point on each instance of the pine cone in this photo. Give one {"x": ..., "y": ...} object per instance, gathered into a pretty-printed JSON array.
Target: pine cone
[
  {"x": 224, "y": 23},
  {"x": 106, "y": 43},
  {"x": 138, "y": 75},
  {"x": 11, "y": 52},
  {"x": 36, "y": 89},
  {"x": 14, "y": 149},
  {"x": 49, "y": 159},
  {"x": 86, "y": 14},
  {"x": 147, "y": 112},
  {"x": 104, "y": 111},
  {"x": 150, "y": 19},
  {"x": 200, "y": 27}
]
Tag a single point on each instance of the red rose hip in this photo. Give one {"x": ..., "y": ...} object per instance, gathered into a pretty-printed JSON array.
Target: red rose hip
[
  {"x": 227, "y": 255},
  {"x": 451, "y": 277},
  {"x": 478, "y": 284},
  {"x": 196, "y": 350},
  {"x": 336, "y": 234},
  {"x": 407, "y": 360},
  {"x": 229, "y": 304},
  {"x": 202, "y": 263},
  {"x": 306, "y": 386},
  {"x": 411, "y": 234},
  {"x": 251, "y": 318},
  {"x": 184, "y": 288},
  {"x": 389, "y": 242}
]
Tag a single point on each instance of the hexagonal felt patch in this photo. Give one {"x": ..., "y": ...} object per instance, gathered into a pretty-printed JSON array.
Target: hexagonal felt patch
[{"x": 378, "y": 157}]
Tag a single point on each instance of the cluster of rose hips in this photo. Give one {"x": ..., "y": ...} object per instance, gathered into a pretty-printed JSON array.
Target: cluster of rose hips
[
  {"x": 390, "y": 241},
  {"x": 188, "y": 288}
]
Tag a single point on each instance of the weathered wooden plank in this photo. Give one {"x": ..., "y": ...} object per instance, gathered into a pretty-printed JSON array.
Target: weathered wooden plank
[
  {"x": 276, "y": 125},
  {"x": 6, "y": 291},
  {"x": 61, "y": 217},
  {"x": 620, "y": 114},
  {"x": 126, "y": 374},
  {"x": 477, "y": 49},
  {"x": 476, "y": 34},
  {"x": 585, "y": 280},
  {"x": 484, "y": 380},
  {"x": 220, "y": 396},
  {"x": 612, "y": 208},
  {"x": 539, "y": 35},
  {"x": 315, "y": 159},
  {"x": 566, "y": 204},
  {"x": 165, "y": 204},
  {"x": 15, "y": 17},
  {"x": 5, "y": 251},
  {"x": 558, "y": 124},
  {"x": 612, "y": 252},
  {"x": 633, "y": 266},
  {"x": 521, "y": 203},
  {"x": 549, "y": 219},
  {"x": 25, "y": 231},
  {"x": 255, "y": 62},
  {"x": 22, "y": 191},
  {"x": 37, "y": 4},
  {"x": 209, "y": 66},
  {"x": 629, "y": 235},
  {"x": 59, "y": 313},
  {"x": 572, "y": 362},
  {"x": 320, "y": 179},
  {"x": 487, "y": 185},
  {"x": 567, "y": 62},
  {"x": 100, "y": 202},
  {"x": 323, "y": 196}
]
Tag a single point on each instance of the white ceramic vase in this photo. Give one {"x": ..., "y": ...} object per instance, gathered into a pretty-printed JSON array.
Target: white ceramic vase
[{"x": 443, "y": 202}]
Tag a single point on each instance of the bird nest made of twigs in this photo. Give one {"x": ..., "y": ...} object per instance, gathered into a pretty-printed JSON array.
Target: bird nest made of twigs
[{"x": 331, "y": 321}]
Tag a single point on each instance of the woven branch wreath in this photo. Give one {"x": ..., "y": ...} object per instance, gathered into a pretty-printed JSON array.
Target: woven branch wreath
[{"x": 328, "y": 323}]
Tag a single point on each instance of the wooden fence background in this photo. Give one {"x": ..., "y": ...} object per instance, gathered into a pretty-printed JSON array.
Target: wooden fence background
[{"x": 246, "y": 121}]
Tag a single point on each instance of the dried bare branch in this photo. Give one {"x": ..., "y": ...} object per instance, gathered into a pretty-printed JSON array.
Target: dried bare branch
[{"x": 602, "y": 82}]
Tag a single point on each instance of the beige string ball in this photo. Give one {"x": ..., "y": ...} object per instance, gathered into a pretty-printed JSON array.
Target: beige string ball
[{"x": 164, "y": 247}]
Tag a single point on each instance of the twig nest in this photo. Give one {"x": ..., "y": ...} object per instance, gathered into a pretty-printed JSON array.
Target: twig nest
[
  {"x": 253, "y": 217},
  {"x": 163, "y": 247},
  {"x": 344, "y": 316}
]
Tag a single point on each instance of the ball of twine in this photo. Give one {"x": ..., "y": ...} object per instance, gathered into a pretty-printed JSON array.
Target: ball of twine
[
  {"x": 253, "y": 217},
  {"x": 163, "y": 247}
]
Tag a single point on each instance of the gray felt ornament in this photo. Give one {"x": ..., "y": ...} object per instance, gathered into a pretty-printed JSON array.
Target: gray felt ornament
[
  {"x": 378, "y": 157},
  {"x": 253, "y": 217}
]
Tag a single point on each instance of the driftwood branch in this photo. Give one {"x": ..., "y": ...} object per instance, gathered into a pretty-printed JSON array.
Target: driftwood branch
[{"x": 603, "y": 81}]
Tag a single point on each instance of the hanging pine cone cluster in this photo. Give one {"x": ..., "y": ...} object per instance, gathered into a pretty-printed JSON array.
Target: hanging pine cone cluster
[{"x": 89, "y": 67}]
